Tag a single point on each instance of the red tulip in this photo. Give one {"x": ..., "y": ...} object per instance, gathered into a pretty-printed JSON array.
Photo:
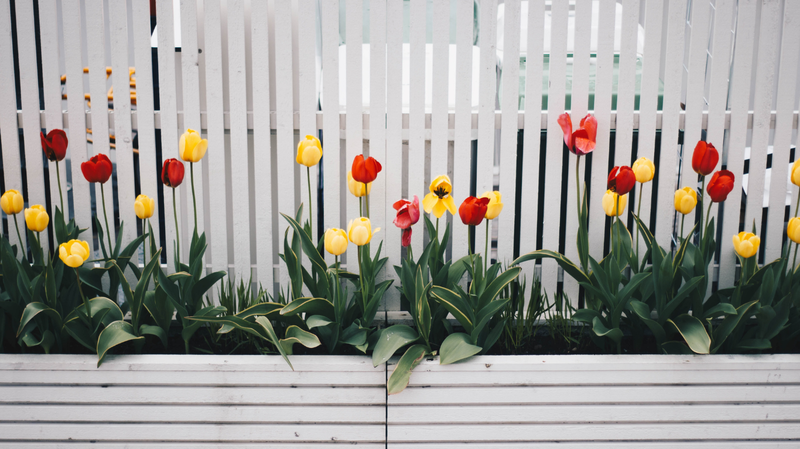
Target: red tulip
[
  {"x": 407, "y": 213},
  {"x": 97, "y": 169},
  {"x": 705, "y": 158},
  {"x": 405, "y": 239},
  {"x": 720, "y": 186},
  {"x": 621, "y": 180},
  {"x": 365, "y": 170},
  {"x": 472, "y": 210},
  {"x": 583, "y": 140},
  {"x": 55, "y": 144},
  {"x": 172, "y": 173}
]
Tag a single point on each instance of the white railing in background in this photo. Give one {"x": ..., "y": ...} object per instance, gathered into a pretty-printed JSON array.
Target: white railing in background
[{"x": 251, "y": 75}]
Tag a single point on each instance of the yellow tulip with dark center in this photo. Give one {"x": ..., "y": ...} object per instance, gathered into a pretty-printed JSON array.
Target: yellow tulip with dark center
[
  {"x": 495, "y": 204},
  {"x": 74, "y": 253},
  {"x": 644, "y": 169},
  {"x": 685, "y": 200},
  {"x": 439, "y": 200},
  {"x": 746, "y": 244},
  {"x": 192, "y": 147},
  {"x": 336, "y": 241},
  {"x": 309, "y": 151},
  {"x": 360, "y": 231},
  {"x": 36, "y": 218},
  {"x": 793, "y": 229},
  {"x": 144, "y": 206},
  {"x": 357, "y": 188},
  {"x": 12, "y": 202},
  {"x": 610, "y": 203}
]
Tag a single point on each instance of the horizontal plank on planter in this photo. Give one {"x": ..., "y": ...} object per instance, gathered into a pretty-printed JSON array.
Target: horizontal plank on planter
[
  {"x": 603, "y": 445},
  {"x": 197, "y": 445}
]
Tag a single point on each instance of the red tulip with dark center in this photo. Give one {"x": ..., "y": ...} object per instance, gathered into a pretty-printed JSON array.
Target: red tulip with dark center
[
  {"x": 365, "y": 170},
  {"x": 172, "y": 173},
  {"x": 97, "y": 169},
  {"x": 621, "y": 180},
  {"x": 472, "y": 210},
  {"x": 54, "y": 144},
  {"x": 705, "y": 158},
  {"x": 720, "y": 186}
]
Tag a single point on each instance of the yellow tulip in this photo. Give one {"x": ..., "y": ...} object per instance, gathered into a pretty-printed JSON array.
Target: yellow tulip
[
  {"x": 36, "y": 218},
  {"x": 746, "y": 244},
  {"x": 357, "y": 188},
  {"x": 360, "y": 231},
  {"x": 439, "y": 200},
  {"x": 610, "y": 203},
  {"x": 495, "y": 204},
  {"x": 74, "y": 253},
  {"x": 644, "y": 169},
  {"x": 793, "y": 229},
  {"x": 144, "y": 206},
  {"x": 685, "y": 200},
  {"x": 12, "y": 202},
  {"x": 335, "y": 241},
  {"x": 796, "y": 172},
  {"x": 192, "y": 147},
  {"x": 309, "y": 151}
]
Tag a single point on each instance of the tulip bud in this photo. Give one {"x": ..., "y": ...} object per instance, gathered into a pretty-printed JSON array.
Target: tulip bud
[
  {"x": 54, "y": 144},
  {"x": 97, "y": 169},
  {"x": 191, "y": 147},
  {"x": 360, "y": 231},
  {"x": 172, "y": 172},
  {"x": 621, "y": 180},
  {"x": 335, "y": 241},
  {"x": 309, "y": 151},
  {"x": 796, "y": 172},
  {"x": 74, "y": 253},
  {"x": 704, "y": 158},
  {"x": 472, "y": 210},
  {"x": 495, "y": 204},
  {"x": 144, "y": 206},
  {"x": 793, "y": 229},
  {"x": 365, "y": 170},
  {"x": 644, "y": 169},
  {"x": 720, "y": 186},
  {"x": 685, "y": 200},
  {"x": 357, "y": 188},
  {"x": 36, "y": 218},
  {"x": 610, "y": 203},
  {"x": 12, "y": 202},
  {"x": 746, "y": 244}
]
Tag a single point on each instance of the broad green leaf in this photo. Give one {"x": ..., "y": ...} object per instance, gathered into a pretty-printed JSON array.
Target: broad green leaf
[
  {"x": 496, "y": 286},
  {"x": 457, "y": 347},
  {"x": 585, "y": 315},
  {"x": 398, "y": 381},
  {"x": 754, "y": 344},
  {"x": 562, "y": 261},
  {"x": 202, "y": 286},
  {"x": 308, "y": 246},
  {"x": 642, "y": 311},
  {"x": 487, "y": 313},
  {"x": 601, "y": 330},
  {"x": 454, "y": 304},
  {"x": 260, "y": 309},
  {"x": 392, "y": 339},
  {"x": 317, "y": 321},
  {"x": 720, "y": 309},
  {"x": 315, "y": 306},
  {"x": 156, "y": 331},
  {"x": 35, "y": 308},
  {"x": 729, "y": 323},
  {"x": 114, "y": 334},
  {"x": 676, "y": 347},
  {"x": 296, "y": 335},
  {"x": 46, "y": 342},
  {"x": 270, "y": 332},
  {"x": 353, "y": 335},
  {"x": 190, "y": 328},
  {"x": 693, "y": 332}
]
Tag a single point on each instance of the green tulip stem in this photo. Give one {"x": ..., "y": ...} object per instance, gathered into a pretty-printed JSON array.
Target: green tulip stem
[
  {"x": 708, "y": 213},
  {"x": 616, "y": 246},
  {"x": 437, "y": 229},
  {"x": 105, "y": 215},
  {"x": 19, "y": 236},
  {"x": 578, "y": 187},
  {"x": 410, "y": 253},
  {"x": 469, "y": 242},
  {"x": 194, "y": 198},
  {"x": 797, "y": 205},
  {"x": 310, "y": 215},
  {"x": 360, "y": 208},
  {"x": 794, "y": 262},
  {"x": 366, "y": 198},
  {"x": 486, "y": 247},
  {"x": 702, "y": 203},
  {"x": 39, "y": 239},
  {"x": 83, "y": 297},
  {"x": 144, "y": 231},
  {"x": 60, "y": 195},
  {"x": 683, "y": 218},
  {"x": 639, "y": 215},
  {"x": 177, "y": 231},
  {"x": 361, "y": 280}
]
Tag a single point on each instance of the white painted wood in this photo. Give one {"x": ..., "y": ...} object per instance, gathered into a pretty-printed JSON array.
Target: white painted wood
[
  {"x": 187, "y": 445},
  {"x": 508, "y": 138},
  {"x": 239, "y": 145},
  {"x": 12, "y": 173},
  {"x": 766, "y": 78},
  {"x": 440, "y": 69},
  {"x": 334, "y": 218},
  {"x": 673, "y": 77},
  {"x": 29, "y": 94},
  {"x": 787, "y": 80},
  {"x": 307, "y": 90},
  {"x": 416, "y": 115},
  {"x": 148, "y": 163},
  {"x": 487, "y": 104},
  {"x": 169, "y": 128},
  {"x": 555, "y": 146},
  {"x": 601, "y": 445},
  {"x": 353, "y": 102}
]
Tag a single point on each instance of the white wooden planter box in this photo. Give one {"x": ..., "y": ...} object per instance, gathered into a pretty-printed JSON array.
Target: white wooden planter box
[{"x": 491, "y": 401}]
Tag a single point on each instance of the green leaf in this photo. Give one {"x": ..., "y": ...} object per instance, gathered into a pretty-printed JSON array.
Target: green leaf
[
  {"x": 693, "y": 332},
  {"x": 486, "y": 314},
  {"x": 308, "y": 246},
  {"x": 398, "y": 381},
  {"x": 315, "y": 306},
  {"x": 754, "y": 344},
  {"x": 729, "y": 323},
  {"x": 455, "y": 305},
  {"x": 317, "y": 321},
  {"x": 202, "y": 286},
  {"x": 562, "y": 261},
  {"x": 392, "y": 339},
  {"x": 114, "y": 334},
  {"x": 720, "y": 309},
  {"x": 189, "y": 328},
  {"x": 676, "y": 347},
  {"x": 457, "y": 347},
  {"x": 270, "y": 332},
  {"x": 601, "y": 330},
  {"x": 296, "y": 335},
  {"x": 496, "y": 286},
  {"x": 148, "y": 329},
  {"x": 642, "y": 311},
  {"x": 35, "y": 308},
  {"x": 585, "y": 315}
]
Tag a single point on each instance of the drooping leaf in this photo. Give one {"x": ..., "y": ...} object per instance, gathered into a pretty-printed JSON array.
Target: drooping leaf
[
  {"x": 398, "y": 381},
  {"x": 693, "y": 333},
  {"x": 457, "y": 347},
  {"x": 392, "y": 339},
  {"x": 315, "y": 306},
  {"x": 296, "y": 335},
  {"x": 114, "y": 334}
]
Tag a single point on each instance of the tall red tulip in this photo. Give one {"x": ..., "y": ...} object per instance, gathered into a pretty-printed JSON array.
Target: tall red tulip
[
  {"x": 472, "y": 210},
  {"x": 97, "y": 169},
  {"x": 720, "y": 186},
  {"x": 705, "y": 158},
  {"x": 54, "y": 144},
  {"x": 172, "y": 172},
  {"x": 365, "y": 170},
  {"x": 621, "y": 180},
  {"x": 584, "y": 139}
]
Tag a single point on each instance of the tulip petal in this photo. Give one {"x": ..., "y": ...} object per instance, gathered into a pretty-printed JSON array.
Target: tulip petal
[
  {"x": 78, "y": 250},
  {"x": 73, "y": 261},
  {"x": 450, "y": 204},
  {"x": 429, "y": 202},
  {"x": 439, "y": 209},
  {"x": 589, "y": 123},
  {"x": 199, "y": 150},
  {"x": 18, "y": 202},
  {"x": 566, "y": 126}
]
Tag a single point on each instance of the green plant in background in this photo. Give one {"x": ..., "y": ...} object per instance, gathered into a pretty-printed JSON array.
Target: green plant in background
[{"x": 522, "y": 317}]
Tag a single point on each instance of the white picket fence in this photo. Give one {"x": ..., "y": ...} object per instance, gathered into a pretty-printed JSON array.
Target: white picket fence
[{"x": 415, "y": 90}]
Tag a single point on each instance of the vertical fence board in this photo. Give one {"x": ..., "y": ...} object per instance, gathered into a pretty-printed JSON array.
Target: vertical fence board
[
  {"x": 12, "y": 173},
  {"x": 555, "y": 144},
  {"x": 737, "y": 141},
  {"x": 627, "y": 87},
  {"x": 602, "y": 110},
  {"x": 169, "y": 121},
  {"x": 695, "y": 100},
  {"x": 354, "y": 101},
  {"x": 440, "y": 70},
  {"x": 29, "y": 90},
  {"x": 462, "y": 141},
  {"x": 330, "y": 115},
  {"x": 673, "y": 76},
  {"x": 508, "y": 138},
  {"x": 787, "y": 81},
  {"x": 239, "y": 160},
  {"x": 532, "y": 136},
  {"x": 307, "y": 86},
  {"x": 394, "y": 140},
  {"x": 416, "y": 119}
]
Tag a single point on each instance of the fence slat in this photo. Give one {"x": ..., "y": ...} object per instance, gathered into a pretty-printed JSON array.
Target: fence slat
[
  {"x": 12, "y": 173},
  {"x": 464, "y": 135},
  {"x": 627, "y": 88},
  {"x": 695, "y": 99},
  {"x": 29, "y": 90},
  {"x": 330, "y": 115},
  {"x": 81, "y": 201},
  {"x": 239, "y": 159},
  {"x": 354, "y": 103},
  {"x": 555, "y": 144},
  {"x": 787, "y": 81},
  {"x": 737, "y": 141},
  {"x": 673, "y": 77},
  {"x": 508, "y": 137},
  {"x": 307, "y": 86},
  {"x": 606, "y": 17},
  {"x": 416, "y": 116},
  {"x": 169, "y": 124},
  {"x": 440, "y": 69},
  {"x": 394, "y": 139}
]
